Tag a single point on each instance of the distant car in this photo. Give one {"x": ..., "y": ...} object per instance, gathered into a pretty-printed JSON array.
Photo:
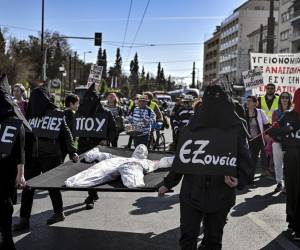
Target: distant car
[{"x": 166, "y": 99}]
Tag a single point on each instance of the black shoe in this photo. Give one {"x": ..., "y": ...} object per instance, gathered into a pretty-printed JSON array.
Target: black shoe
[
  {"x": 22, "y": 225},
  {"x": 296, "y": 236},
  {"x": 7, "y": 245},
  {"x": 278, "y": 188},
  {"x": 57, "y": 217},
  {"x": 89, "y": 202}
]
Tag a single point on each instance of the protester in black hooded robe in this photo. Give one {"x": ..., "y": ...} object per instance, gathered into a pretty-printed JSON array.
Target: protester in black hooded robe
[
  {"x": 90, "y": 106},
  {"x": 209, "y": 198},
  {"x": 288, "y": 132},
  {"x": 46, "y": 155},
  {"x": 11, "y": 171}
]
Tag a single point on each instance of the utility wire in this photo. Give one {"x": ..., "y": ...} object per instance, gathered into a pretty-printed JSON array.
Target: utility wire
[
  {"x": 138, "y": 30},
  {"x": 127, "y": 23}
]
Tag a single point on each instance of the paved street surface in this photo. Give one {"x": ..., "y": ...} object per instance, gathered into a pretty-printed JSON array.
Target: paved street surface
[{"x": 132, "y": 221}]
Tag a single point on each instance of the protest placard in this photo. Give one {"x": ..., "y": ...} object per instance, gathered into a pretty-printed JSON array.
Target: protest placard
[
  {"x": 94, "y": 126},
  {"x": 95, "y": 75},
  {"x": 47, "y": 126},
  {"x": 252, "y": 79},
  {"x": 9, "y": 130},
  {"x": 209, "y": 151},
  {"x": 283, "y": 70}
]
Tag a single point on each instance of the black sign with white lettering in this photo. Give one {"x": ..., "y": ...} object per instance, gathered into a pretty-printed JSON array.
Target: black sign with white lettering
[
  {"x": 94, "y": 126},
  {"x": 47, "y": 126},
  {"x": 208, "y": 151},
  {"x": 8, "y": 134}
]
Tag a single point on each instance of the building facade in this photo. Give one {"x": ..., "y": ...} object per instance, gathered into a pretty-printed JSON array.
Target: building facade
[
  {"x": 284, "y": 26},
  {"x": 295, "y": 21},
  {"x": 211, "y": 57},
  {"x": 234, "y": 41},
  {"x": 255, "y": 36}
]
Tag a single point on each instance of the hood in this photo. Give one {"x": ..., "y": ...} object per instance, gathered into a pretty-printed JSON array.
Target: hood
[
  {"x": 6, "y": 107},
  {"x": 90, "y": 102},
  {"x": 39, "y": 102},
  {"x": 217, "y": 110},
  {"x": 140, "y": 152}
]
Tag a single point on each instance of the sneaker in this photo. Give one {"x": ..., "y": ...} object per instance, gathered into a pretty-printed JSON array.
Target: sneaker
[
  {"x": 296, "y": 236},
  {"x": 278, "y": 188},
  {"x": 57, "y": 217},
  {"x": 22, "y": 225}
]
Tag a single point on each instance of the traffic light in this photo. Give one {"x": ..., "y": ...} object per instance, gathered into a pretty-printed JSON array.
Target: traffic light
[{"x": 98, "y": 39}]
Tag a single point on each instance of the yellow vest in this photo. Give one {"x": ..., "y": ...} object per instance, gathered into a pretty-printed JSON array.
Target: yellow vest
[
  {"x": 264, "y": 106},
  {"x": 152, "y": 105},
  {"x": 131, "y": 103}
]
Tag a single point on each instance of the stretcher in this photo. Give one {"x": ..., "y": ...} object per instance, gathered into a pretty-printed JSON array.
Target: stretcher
[{"x": 55, "y": 178}]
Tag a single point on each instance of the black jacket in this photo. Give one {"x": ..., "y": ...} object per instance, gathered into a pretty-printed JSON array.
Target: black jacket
[{"x": 206, "y": 192}]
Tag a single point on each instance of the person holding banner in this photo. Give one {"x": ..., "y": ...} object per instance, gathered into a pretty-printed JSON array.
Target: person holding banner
[
  {"x": 50, "y": 132},
  {"x": 285, "y": 103},
  {"x": 257, "y": 122},
  {"x": 12, "y": 159},
  {"x": 208, "y": 191},
  {"x": 289, "y": 130},
  {"x": 91, "y": 109}
]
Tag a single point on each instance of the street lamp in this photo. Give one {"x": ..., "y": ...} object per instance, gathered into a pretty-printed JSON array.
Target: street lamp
[{"x": 86, "y": 52}]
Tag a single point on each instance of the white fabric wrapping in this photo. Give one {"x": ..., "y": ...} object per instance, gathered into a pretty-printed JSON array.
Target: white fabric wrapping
[
  {"x": 95, "y": 155},
  {"x": 131, "y": 169}
]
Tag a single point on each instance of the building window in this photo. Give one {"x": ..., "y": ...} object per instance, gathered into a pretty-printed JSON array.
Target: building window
[
  {"x": 284, "y": 35},
  {"x": 286, "y": 50}
]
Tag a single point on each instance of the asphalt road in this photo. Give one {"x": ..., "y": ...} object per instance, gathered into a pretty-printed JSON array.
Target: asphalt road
[{"x": 134, "y": 221}]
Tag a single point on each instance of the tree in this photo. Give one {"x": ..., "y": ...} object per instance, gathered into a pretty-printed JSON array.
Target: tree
[
  {"x": 2, "y": 44},
  {"x": 158, "y": 72},
  {"x": 118, "y": 64},
  {"x": 134, "y": 73},
  {"x": 104, "y": 64},
  {"x": 99, "y": 57},
  {"x": 143, "y": 74}
]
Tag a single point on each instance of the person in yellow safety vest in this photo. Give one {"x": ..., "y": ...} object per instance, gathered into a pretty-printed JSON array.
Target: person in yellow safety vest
[
  {"x": 269, "y": 102},
  {"x": 153, "y": 106}
]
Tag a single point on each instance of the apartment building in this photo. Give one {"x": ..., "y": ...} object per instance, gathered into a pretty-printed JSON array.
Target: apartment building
[
  {"x": 234, "y": 41},
  {"x": 211, "y": 57}
]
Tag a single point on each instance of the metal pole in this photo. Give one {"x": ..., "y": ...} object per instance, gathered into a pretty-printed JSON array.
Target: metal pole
[
  {"x": 70, "y": 73},
  {"x": 42, "y": 32},
  {"x": 271, "y": 29}
]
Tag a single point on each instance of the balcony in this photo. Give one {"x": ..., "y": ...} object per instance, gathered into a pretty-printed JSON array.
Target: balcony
[
  {"x": 295, "y": 20},
  {"x": 295, "y": 36}
]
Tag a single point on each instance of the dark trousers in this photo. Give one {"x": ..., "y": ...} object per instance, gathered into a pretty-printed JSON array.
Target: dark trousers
[
  {"x": 141, "y": 140},
  {"x": 255, "y": 146},
  {"x": 114, "y": 142},
  {"x": 7, "y": 189},
  {"x": 190, "y": 220},
  {"x": 38, "y": 166}
]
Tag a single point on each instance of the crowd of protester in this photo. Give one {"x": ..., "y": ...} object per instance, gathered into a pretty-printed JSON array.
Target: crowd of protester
[{"x": 268, "y": 121}]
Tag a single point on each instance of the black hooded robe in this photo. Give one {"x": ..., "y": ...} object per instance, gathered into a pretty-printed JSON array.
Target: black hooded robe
[
  {"x": 8, "y": 170},
  {"x": 90, "y": 106},
  {"x": 204, "y": 197},
  {"x": 291, "y": 170},
  {"x": 46, "y": 153}
]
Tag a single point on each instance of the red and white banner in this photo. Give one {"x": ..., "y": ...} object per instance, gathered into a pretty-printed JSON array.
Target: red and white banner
[{"x": 283, "y": 70}]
